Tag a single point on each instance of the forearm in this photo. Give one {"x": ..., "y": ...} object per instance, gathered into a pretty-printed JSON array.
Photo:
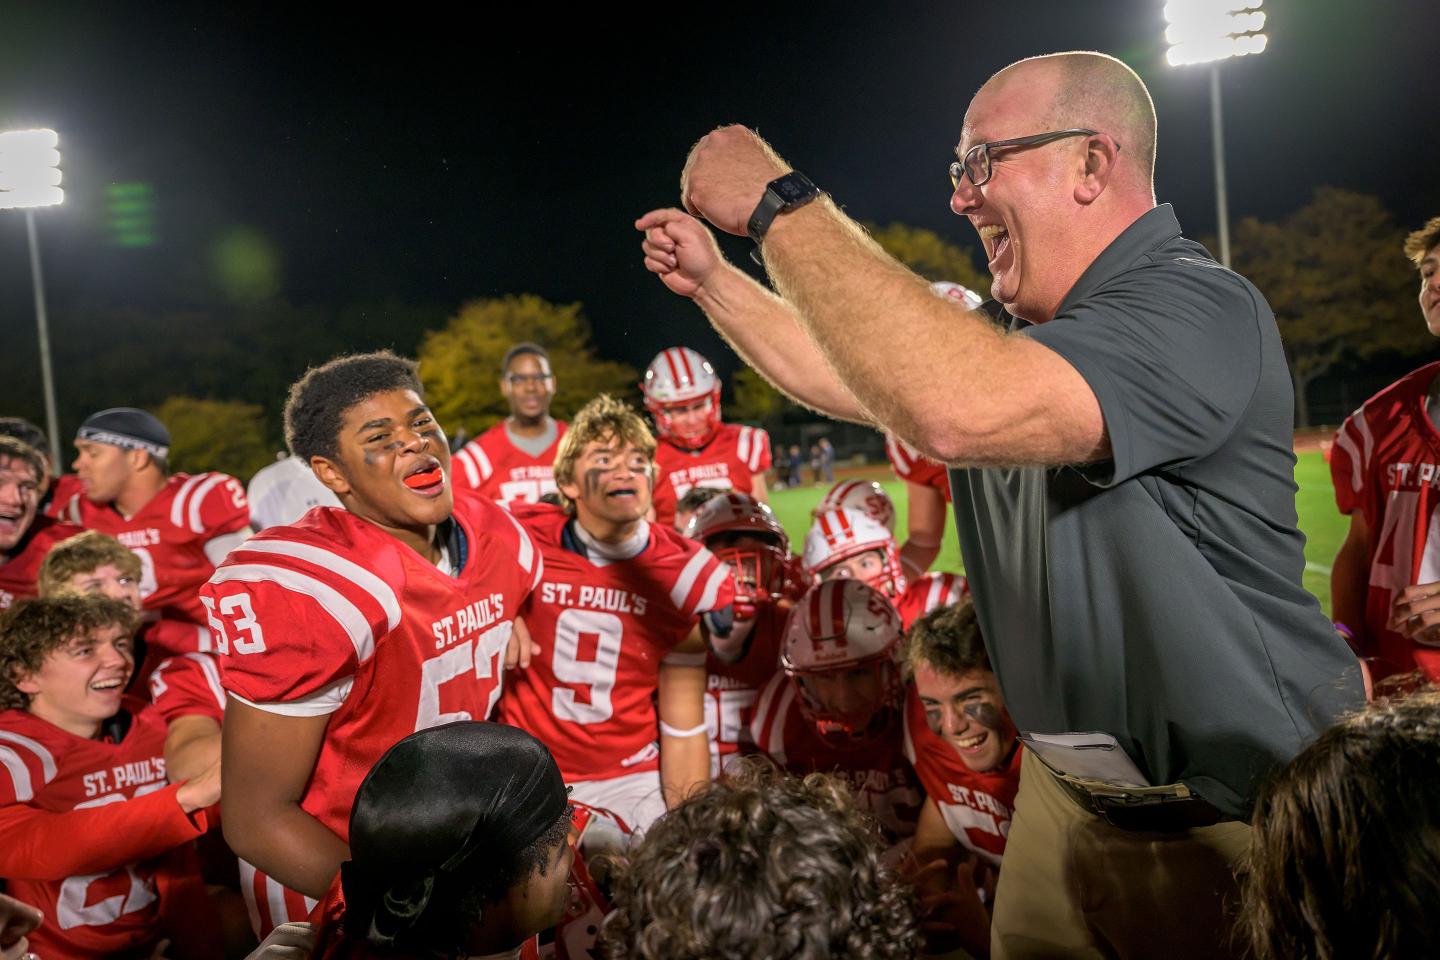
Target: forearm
[
  {"x": 684, "y": 766},
  {"x": 765, "y": 331},
  {"x": 42, "y": 845},
  {"x": 287, "y": 843},
  {"x": 916, "y": 557},
  {"x": 1349, "y": 585},
  {"x": 946, "y": 380},
  {"x": 191, "y": 747}
]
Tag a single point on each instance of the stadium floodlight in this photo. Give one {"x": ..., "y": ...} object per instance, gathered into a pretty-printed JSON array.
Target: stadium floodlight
[
  {"x": 30, "y": 178},
  {"x": 1213, "y": 31},
  {"x": 1206, "y": 31},
  {"x": 29, "y": 169}
]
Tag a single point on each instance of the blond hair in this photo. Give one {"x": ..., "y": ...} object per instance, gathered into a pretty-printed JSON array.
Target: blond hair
[
  {"x": 84, "y": 553},
  {"x": 602, "y": 419},
  {"x": 1422, "y": 241}
]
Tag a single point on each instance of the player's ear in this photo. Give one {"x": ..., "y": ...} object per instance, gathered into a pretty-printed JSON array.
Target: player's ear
[
  {"x": 25, "y": 682},
  {"x": 505, "y": 386},
  {"x": 331, "y": 474},
  {"x": 571, "y": 491},
  {"x": 136, "y": 460}
]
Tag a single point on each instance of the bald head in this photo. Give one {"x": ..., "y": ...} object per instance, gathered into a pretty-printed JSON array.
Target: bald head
[{"x": 1096, "y": 92}]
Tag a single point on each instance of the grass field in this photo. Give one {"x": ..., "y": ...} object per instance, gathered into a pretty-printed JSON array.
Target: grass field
[{"x": 1324, "y": 527}]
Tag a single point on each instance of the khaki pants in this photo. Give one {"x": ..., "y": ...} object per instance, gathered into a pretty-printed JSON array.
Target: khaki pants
[{"x": 1072, "y": 885}]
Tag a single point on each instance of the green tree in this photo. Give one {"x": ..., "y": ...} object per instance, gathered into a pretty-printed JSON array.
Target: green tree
[
  {"x": 1341, "y": 288},
  {"x": 223, "y": 435},
  {"x": 460, "y": 364},
  {"x": 931, "y": 255},
  {"x": 755, "y": 399}
]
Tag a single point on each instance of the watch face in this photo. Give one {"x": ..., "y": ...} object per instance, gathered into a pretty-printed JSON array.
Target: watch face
[{"x": 792, "y": 188}]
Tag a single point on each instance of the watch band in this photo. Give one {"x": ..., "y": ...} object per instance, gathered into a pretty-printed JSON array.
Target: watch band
[{"x": 782, "y": 195}]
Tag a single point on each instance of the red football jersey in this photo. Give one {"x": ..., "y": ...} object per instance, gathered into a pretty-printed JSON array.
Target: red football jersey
[
  {"x": 882, "y": 779},
  {"x": 494, "y": 467},
  {"x": 109, "y": 912},
  {"x": 21, "y": 571},
  {"x": 188, "y": 685},
  {"x": 911, "y": 466},
  {"x": 976, "y": 806},
  {"x": 604, "y": 627},
  {"x": 1386, "y": 464},
  {"x": 730, "y": 461},
  {"x": 332, "y": 615},
  {"x": 168, "y": 534},
  {"x": 930, "y": 592},
  {"x": 731, "y": 689}
]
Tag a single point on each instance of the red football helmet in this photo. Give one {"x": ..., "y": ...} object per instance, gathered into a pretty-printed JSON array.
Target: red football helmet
[
  {"x": 867, "y": 496},
  {"x": 841, "y": 649},
  {"x": 763, "y": 571},
  {"x": 676, "y": 380},
  {"x": 838, "y": 535}
]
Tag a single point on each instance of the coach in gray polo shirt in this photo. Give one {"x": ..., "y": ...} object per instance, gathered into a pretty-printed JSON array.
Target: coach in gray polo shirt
[{"x": 1126, "y": 493}]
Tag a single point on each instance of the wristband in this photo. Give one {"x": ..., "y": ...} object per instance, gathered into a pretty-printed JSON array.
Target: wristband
[{"x": 670, "y": 731}]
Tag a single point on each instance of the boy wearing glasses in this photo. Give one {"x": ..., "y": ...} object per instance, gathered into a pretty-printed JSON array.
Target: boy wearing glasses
[{"x": 512, "y": 460}]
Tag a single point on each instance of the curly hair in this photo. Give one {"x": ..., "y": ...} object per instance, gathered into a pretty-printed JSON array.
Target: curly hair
[
  {"x": 1422, "y": 241},
  {"x": 949, "y": 640},
  {"x": 600, "y": 419},
  {"x": 762, "y": 865},
  {"x": 33, "y": 629},
  {"x": 84, "y": 553},
  {"x": 317, "y": 402},
  {"x": 1344, "y": 857}
]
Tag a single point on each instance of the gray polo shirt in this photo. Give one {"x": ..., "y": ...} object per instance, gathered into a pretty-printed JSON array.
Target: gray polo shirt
[{"x": 1157, "y": 596}]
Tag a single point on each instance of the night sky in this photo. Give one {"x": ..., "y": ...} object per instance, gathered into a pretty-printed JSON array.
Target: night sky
[{"x": 430, "y": 158}]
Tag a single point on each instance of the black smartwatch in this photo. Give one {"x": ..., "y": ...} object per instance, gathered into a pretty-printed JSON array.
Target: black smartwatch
[{"x": 782, "y": 195}]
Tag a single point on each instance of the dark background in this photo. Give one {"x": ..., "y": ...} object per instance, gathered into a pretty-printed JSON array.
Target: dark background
[{"x": 389, "y": 165}]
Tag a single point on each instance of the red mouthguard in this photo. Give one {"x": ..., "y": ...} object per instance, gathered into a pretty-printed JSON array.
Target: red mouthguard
[{"x": 424, "y": 478}]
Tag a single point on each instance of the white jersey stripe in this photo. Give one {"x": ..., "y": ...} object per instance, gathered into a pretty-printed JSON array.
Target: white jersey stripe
[
  {"x": 712, "y": 587},
  {"x": 19, "y": 774},
  {"x": 197, "y": 500},
  {"x": 47, "y": 759},
  {"x": 1363, "y": 426},
  {"x": 203, "y": 641},
  {"x": 527, "y": 548},
  {"x": 742, "y": 447},
  {"x": 212, "y": 676},
  {"x": 329, "y": 560},
  {"x": 686, "y": 581},
  {"x": 74, "y": 510},
  {"x": 778, "y": 722},
  {"x": 177, "y": 506},
  {"x": 247, "y": 889},
  {"x": 346, "y": 614},
  {"x": 462, "y": 457},
  {"x": 1343, "y": 441},
  {"x": 481, "y": 461},
  {"x": 275, "y": 899},
  {"x": 932, "y": 597}
]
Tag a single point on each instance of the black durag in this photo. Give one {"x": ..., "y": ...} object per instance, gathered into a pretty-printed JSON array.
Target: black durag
[{"x": 443, "y": 799}]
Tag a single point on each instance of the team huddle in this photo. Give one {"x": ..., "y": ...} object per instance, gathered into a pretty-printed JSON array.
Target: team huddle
[{"x": 627, "y": 599}]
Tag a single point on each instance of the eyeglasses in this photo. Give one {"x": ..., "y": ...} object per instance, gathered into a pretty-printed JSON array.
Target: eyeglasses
[{"x": 976, "y": 164}]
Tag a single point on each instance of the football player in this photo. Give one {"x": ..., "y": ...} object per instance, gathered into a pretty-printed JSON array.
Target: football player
[
  {"x": 745, "y": 534},
  {"x": 180, "y": 525},
  {"x": 512, "y": 460},
  {"x": 616, "y": 623},
  {"x": 867, "y": 496},
  {"x": 171, "y": 652},
  {"x": 25, "y": 536},
  {"x": 837, "y": 707},
  {"x": 846, "y": 543},
  {"x": 959, "y": 737},
  {"x": 1386, "y": 466},
  {"x": 96, "y": 837},
  {"x": 682, "y": 394},
  {"x": 353, "y": 628}
]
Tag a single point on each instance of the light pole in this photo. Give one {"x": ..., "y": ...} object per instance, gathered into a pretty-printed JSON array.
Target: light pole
[
  {"x": 30, "y": 178},
  {"x": 1211, "y": 31}
]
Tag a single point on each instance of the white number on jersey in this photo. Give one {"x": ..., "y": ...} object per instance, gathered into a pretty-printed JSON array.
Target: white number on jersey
[
  {"x": 575, "y": 630},
  {"x": 483, "y": 655},
  {"x": 71, "y": 910},
  {"x": 725, "y": 714},
  {"x": 253, "y": 639},
  {"x": 148, "y": 583}
]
